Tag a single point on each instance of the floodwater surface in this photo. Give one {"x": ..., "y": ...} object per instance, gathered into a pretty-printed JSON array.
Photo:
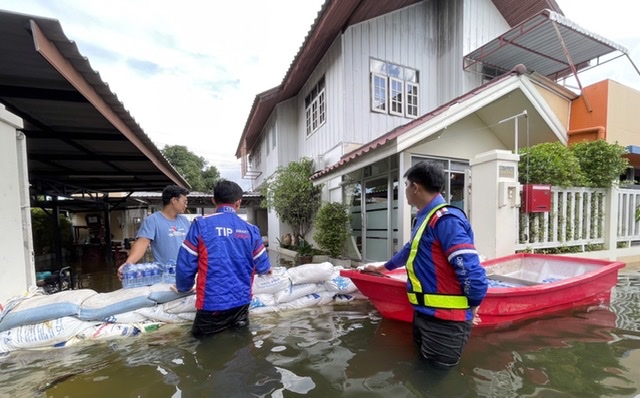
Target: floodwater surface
[{"x": 349, "y": 351}]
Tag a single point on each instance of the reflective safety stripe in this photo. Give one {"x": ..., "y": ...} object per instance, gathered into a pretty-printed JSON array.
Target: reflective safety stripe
[
  {"x": 416, "y": 296},
  {"x": 439, "y": 301}
]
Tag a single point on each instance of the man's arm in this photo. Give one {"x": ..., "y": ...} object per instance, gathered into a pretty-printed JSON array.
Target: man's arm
[
  {"x": 260, "y": 254},
  {"x": 136, "y": 252},
  {"x": 187, "y": 265},
  {"x": 461, "y": 253}
]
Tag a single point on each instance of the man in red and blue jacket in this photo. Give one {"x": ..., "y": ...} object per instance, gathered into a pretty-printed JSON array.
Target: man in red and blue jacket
[
  {"x": 225, "y": 252},
  {"x": 445, "y": 281}
]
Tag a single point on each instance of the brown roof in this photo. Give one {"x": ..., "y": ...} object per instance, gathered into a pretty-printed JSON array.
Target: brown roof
[
  {"x": 516, "y": 11},
  {"x": 332, "y": 19}
]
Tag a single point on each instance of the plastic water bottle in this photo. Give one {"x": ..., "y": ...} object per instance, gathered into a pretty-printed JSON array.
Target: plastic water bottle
[
  {"x": 129, "y": 276},
  {"x": 156, "y": 273},
  {"x": 140, "y": 275},
  {"x": 169, "y": 275}
]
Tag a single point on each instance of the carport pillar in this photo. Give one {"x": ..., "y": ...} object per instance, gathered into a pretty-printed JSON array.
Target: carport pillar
[
  {"x": 16, "y": 245},
  {"x": 57, "y": 235},
  {"x": 495, "y": 202}
]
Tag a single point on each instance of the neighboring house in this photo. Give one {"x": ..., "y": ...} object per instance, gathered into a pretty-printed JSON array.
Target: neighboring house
[{"x": 378, "y": 86}]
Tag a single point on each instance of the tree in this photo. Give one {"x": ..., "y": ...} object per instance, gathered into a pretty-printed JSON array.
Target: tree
[
  {"x": 550, "y": 163},
  {"x": 602, "y": 163},
  {"x": 586, "y": 164},
  {"x": 292, "y": 195},
  {"x": 192, "y": 167}
]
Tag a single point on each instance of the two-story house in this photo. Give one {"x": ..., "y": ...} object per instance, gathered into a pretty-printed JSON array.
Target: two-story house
[{"x": 380, "y": 85}]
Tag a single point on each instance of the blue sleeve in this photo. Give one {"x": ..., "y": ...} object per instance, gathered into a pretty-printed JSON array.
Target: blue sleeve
[
  {"x": 187, "y": 265},
  {"x": 400, "y": 258},
  {"x": 260, "y": 253},
  {"x": 456, "y": 237},
  {"x": 147, "y": 229}
]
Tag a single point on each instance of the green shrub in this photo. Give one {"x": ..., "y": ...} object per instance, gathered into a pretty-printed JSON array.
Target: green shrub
[{"x": 332, "y": 228}]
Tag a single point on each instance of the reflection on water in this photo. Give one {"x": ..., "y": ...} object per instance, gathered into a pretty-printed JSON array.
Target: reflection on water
[{"x": 349, "y": 351}]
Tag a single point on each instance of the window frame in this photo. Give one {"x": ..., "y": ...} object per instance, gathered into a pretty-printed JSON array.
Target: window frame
[
  {"x": 374, "y": 96},
  {"x": 315, "y": 108},
  {"x": 385, "y": 95}
]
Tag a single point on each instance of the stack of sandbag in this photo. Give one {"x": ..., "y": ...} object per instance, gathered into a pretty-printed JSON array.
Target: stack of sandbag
[
  {"x": 303, "y": 286},
  {"x": 38, "y": 320}
]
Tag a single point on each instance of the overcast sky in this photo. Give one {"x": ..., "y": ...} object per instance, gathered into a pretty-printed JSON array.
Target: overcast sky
[{"x": 188, "y": 71}]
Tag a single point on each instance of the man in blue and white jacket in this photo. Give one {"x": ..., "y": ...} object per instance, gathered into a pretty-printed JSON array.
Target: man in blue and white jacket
[{"x": 225, "y": 252}]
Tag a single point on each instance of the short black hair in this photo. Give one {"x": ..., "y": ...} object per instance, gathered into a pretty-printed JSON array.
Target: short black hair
[
  {"x": 226, "y": 192},
  {"x": 429, "y": 175},
  {"x": 172, "y": 191}
]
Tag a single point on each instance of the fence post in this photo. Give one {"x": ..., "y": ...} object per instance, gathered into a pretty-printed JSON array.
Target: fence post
[
  {"x": 495, "y": 202},
  {"x": 611, "y": 219}
]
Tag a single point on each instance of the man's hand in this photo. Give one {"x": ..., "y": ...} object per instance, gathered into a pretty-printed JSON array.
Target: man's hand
[
  {"x": 175, "y": 289},
  {"x": 374, "y": 267},
  {"x": 476, "y": 318},
  {"x": 120, "y": 269}
]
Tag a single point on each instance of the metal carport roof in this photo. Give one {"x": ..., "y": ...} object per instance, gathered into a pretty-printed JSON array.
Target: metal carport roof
[
  {"x": 548, "y": 43},
  {"x": 79, "y": 135}
]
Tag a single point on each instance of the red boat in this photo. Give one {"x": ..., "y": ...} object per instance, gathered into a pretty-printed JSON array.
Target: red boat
[{"x": 520, "y": 286}]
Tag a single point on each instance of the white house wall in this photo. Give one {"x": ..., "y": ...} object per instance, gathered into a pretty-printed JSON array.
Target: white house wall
[
  {"x": 462, "y": 140},
  {"x": 406, "y": 37},
  {"x": 332, "y": 132},
  {"x": 288, "y": 132},
  {"x": 16, "y": 258},
  {"x": 482, "y": 23}
]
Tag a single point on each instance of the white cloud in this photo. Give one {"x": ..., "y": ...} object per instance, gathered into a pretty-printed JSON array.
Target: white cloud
[{"x": 188, "y": 72}]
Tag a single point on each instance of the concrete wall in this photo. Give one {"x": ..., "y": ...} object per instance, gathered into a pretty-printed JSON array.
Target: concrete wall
[{"x": 16, "y": 246}]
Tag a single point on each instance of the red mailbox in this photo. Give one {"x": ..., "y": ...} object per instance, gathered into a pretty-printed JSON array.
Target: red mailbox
[{"x": 536, "y": 198}]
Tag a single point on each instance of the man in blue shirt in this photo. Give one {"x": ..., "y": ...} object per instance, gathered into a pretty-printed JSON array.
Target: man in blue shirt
[
  {"x": 225, "y": 252},
  {"x": 164, "y": 230}
]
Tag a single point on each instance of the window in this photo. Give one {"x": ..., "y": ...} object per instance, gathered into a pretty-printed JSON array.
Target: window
[
  {"x": 394, "y": 89},
  {"x": 255, "y": 158},
  {"x": 315, "y": 108},
  {"x": 273, "y": 137}
]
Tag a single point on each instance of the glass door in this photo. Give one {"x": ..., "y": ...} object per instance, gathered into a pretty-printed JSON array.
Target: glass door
[{"x": 376, "y": 219}]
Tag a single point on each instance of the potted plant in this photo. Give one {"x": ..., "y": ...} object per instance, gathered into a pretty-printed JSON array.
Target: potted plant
[
  {"x": 332, "y": 231},
  {"x": 319, "y": 256},
  {"x": 305, "y": 252}
]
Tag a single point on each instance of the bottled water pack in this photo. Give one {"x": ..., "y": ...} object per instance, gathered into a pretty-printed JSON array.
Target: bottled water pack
[{"x": 142, "y": 274}]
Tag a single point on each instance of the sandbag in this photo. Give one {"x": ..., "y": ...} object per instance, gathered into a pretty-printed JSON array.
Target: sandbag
[
  {"x": 107, "y": 330},
  {"x": 276, "y": 281},
  {"x": 40, "y": 308},
  {"x": 305, "y": 301},
  {"x": 103, "y": 305},
  {"x": 295, "y": 292},
  {"x": 339, "y": 284},
  {"x": 53, "y": 333},
  {"x": 158, "y": 314},
  {"x": 162, "y": 293},
  {"x": 181, "y": 305},
  {"x": 262, "y": 300},
  {"x": 125, "y": 317},
  {"x": 310, "y": 273}
]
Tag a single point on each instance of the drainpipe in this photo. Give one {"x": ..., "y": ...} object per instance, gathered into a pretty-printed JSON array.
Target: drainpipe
[{"x": 598, "y": 130}]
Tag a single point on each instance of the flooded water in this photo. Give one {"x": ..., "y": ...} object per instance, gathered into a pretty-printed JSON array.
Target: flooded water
[{"x": 349, "y": 351}]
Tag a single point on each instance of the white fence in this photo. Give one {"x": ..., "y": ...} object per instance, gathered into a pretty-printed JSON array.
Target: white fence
[
  {"x": 628, "y": 229},
  {"x": 578, "y": 220}
]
